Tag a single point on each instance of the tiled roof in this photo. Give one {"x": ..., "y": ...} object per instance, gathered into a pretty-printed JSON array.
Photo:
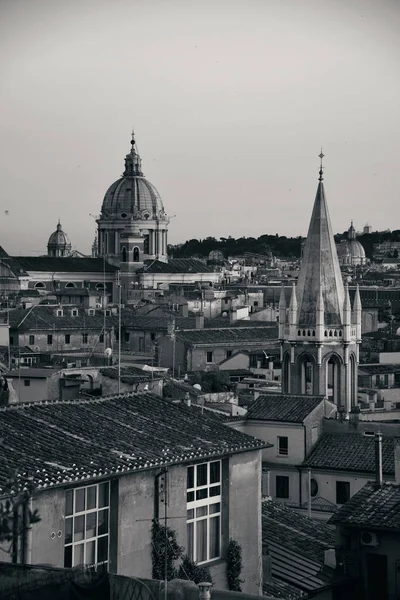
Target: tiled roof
[
  {"x": 32, "y": 373},
  {"x": 380, "y": 369},
  {"x": 372, "y": 507},
  {"x": 129, "y": 374},
  {"x": 13, "y": 263},
  {"x": 63, "y": 442},
  {"x": 44, "y": 317},
  {"x": 281, "y": 590},
  {"x": 63, "y": 264},
  {"x": 234, "y": 335},
  {"x": 176, "y": 265},
  {"x": 134, "y": 321},
  {"x": 225, "y": 322},
  {"x": 350, "y": 452},
  {"x": 296, "y": 545},
  {"x": 283, "y": 407}
]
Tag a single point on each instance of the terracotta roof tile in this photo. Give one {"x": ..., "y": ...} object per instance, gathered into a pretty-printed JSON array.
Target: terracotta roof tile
[
  {"x": 350, "y": 452},
  {"x": 44, "y": 317},
  {"x": 82, "y": 440},
  {"x": 372, "y": 507},
  {"x": 63, "y": 264},
  {"x": 234, "y": 335},
  {"x": 283, "y": 407}
]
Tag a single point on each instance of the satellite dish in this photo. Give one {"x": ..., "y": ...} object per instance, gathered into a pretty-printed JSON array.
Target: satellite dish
[
  {"x": 108, "y": 352},
  {"x": 197, "y": 386}
]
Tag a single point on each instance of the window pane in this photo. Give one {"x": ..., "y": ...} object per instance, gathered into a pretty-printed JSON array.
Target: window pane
[
  {"x": 190, "y": 496},
  {"x": 102, "y": 549},
  {"x": 202, "y": 474},
  {"x": 190, "y": 540},
  {"x": 215, "y": 491},
  {"x": 103, "y": 494},
  {"x": 190, "y": 478},
  {"x": 68, "y": 531},
  {"x": 91, "y": 494},
  {"x": 68, "y": 556},
  {"x": 201, "y": 540},
  {"x": 215, "y": 472},
  {"x": 214, "y": 508},
  {"x": 190, "y": 514},
  {"x": 102, "y": 527},
  {"x": 69, "y": 502},
  {"x": 79, "y": 528},
  {"x": 201, "y": 511},
  {"x": 80, "y": 500},
  {"x": 90, "y": 525},
  {"x": 78, "y": 555},
  {"x": 214, "y": 537},
  {"x": 90, "y": 557},
  {"x": 201, "y": 494}
]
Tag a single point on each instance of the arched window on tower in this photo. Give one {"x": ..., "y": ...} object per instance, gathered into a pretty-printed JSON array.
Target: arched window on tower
[
  {"x": 306, "y": 374},
  {"x": 124, "y": 254},
  {"x": 136, "y": 254},
  {"x": 333, "y": 379}
]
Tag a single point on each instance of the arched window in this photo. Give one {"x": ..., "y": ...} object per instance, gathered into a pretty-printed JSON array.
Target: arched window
[
  {"x": 70, "y": 284},
  {"x": 298, "y": 332},
  {"x": 308, "y": 333},
  {"x": 335, "y": 333},
  {"x": 333, "y": 379},
  {"x": 304, "y": 332},
  {"x": 306, "y": 374},
  {"x": 330, "y": 333},
  {"x": 326, "y": 333},
  {"x": 99, "y": 286},
  {"x": 40, "y": 285},
  {"x": 136, "y": 254},
  {"x": 313, "y": 332},
  {"x": 124, "y": 254},
  {"x": 340, "y": 333}
]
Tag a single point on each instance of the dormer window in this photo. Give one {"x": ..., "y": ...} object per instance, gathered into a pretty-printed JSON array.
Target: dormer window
[
  {"x": 91, "y": 312},
  {"x": 108, "y": 312},
  {"x": 60, "y": 312},
  {"x": 74, "y": 312}
]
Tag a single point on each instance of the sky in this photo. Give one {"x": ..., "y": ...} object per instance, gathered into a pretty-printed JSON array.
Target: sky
[{"x": 231, "y": 101}]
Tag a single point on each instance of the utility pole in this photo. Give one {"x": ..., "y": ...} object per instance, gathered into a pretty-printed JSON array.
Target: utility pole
[{"x": 119, "y": 331}]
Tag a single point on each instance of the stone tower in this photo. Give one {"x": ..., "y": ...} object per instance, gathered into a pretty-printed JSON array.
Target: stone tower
[{"x": 319, "y": 331}]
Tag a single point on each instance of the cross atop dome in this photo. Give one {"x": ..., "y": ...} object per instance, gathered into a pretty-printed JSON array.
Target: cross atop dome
[{"x": 321, "y": 155}]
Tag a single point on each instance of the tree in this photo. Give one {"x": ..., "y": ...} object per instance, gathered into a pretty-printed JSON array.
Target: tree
[
  {"x": 164, "y": 542},
  {"x": 191, "y": 571},
  {"x": 16, "y": 517},
  {"x": 234, "y": 566}
]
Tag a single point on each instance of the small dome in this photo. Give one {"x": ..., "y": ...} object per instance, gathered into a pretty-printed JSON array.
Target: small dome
[
  {"x": 58, "y": 244},
  {"x": 351, "y": 251}
]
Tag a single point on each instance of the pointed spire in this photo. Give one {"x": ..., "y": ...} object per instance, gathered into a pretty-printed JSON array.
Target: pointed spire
[
  {"x": 320, "y": 270},
  {"x": 358, "y": 313},
  {"x": 346, "y": 314},
  {"x": 320, "y": 318},
  {"x": 282, "y": 298},
  {"x": 282, "y": 313},
  {"x": 293, "y": 306}
]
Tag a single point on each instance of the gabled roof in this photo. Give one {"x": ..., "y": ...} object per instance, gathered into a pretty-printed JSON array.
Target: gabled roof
[
  {"x": 283, "y": 407},
  {"x": 235, "y": 335},
  {"x": 353, "y": 452},
  {"x": 58, "y": 442},
  {"x": 320, "y": 268},
  {"x": 32, "y": 373},
  {"x": 13, "y": 263},
  {"x": 176, "y": 265},
  {"x": 130, "y": 374},
  {"x": 372, "y": 507},
  {"x": 296, "y": 545},
  {"x": 380, "y": 369},
  {"x": 63, "y": 264}
]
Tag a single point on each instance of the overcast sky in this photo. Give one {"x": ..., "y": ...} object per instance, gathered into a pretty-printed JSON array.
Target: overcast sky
[{"x": 231, "y": 101}]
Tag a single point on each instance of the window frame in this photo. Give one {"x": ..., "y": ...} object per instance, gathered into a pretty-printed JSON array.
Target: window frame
[
  {"x": 85, "y": 338},
  {"x": 196, "y": 502},
  {"x": 287, "y": 481},
  {"x": 31, "y": 339},
  {"x": 73, "y": 515},
  {"x": 209, "y": 352},
  {"x": 67, "y": 339},
  {"x": 282, "y": 451},
  {"x": 345, "y": 485},
  {"x": 49, "y": 339}
]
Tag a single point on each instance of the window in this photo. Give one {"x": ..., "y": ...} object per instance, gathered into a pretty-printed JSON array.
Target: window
[
  {"x": 283, "y": 445},
  {"x": 108, "y": 313},
  {"x": 153, "y": 336},
  {"x": 141, "y": 344},
  {"x": 136, "y": 254},
  {"x": 313, "y": 487},
  {"x": 91, "y": 312},
  {"x": 60, "y": 312},
  {"x": 74, "y": 312},
  {"x": 101, "y": 338},
  {"x": 209, "y": 357},
  {"x": 67, "y": 338},
  {"x": 84, "y": 338},
  {"x": 228, "y": 353},
  {"x": 282, "y": 486},
  {"x": 204, "y": 511},
  {"x": 70, "y": 284},
  {"x": 342, "y": 492},
  {"x": 49, "y": 339},
  {"x": 87, "y": 512},
  {"x": 126, "y": 336},
  {"x": 11, "y": 340},
  {"x": 27, "y": 382},
  {"x": 31, "y": 340}
]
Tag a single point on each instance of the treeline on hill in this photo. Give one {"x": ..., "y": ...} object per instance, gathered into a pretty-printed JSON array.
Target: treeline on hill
[{"x": 277, "y": 244}]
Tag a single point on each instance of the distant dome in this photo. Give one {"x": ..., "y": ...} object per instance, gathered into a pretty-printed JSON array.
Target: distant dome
[
  {"x": 351, "y": 251},
  {"x": 58, "y": 244},
  {"x": 132, "y": 196}
]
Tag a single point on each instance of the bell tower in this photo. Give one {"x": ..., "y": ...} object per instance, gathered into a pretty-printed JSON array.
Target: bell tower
[{"x": 320, "y": 332}]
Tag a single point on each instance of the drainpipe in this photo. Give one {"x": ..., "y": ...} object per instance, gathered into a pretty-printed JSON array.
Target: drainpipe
[
  {"x": 27, "y": 533},
  {"x": 378, "y": 460},
  {"x": 309, "y": 492}
]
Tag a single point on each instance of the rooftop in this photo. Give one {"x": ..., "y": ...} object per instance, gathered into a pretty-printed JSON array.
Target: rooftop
[
  {"x": 63, "y": 264},
  {"x": 353, "y": 452},
  {"x": 381, "y": 369},
  {"x": 44, "y": 317},
  {"x": 372, "y": 507},
  {"x": 32, "y": 373},
  {"x": 229, "y": 335},
  {"x": 296, "y": 545},
  {"x": 61, "y": 442},
  {"x": 176, "y": 265},
  {"x": 283, "y": 407}
]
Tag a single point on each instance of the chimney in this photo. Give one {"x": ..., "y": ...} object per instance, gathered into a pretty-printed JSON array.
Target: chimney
[
  {"x": 188, "y": 400},
  {"x": 204, "y": 590},
  {"x": 378, "y": 460},
  {"x": 354, "y": 417},
  {"x": 199, "y": 320},
  {"x": 233, "y": 315},
  {"x": 397, "y": 460},
  {"x": 184, "y": 310},
  {"x": 330, "y": 558},
  {"x": 267, "y": 569}
]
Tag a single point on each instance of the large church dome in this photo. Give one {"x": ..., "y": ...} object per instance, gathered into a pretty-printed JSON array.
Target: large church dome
[{"x": 132, "y": 196}]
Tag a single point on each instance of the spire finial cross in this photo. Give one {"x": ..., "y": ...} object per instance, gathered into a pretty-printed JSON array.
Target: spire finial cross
[{"x": 321, "y": 156}]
